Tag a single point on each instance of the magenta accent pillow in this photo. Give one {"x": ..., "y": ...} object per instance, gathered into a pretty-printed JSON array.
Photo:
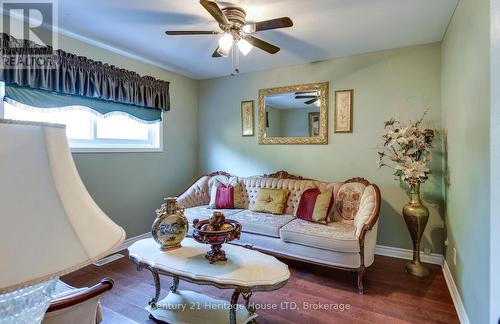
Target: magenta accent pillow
[
  {"x": 307, "y": 201},
  {"x": 224, "y": 197}
]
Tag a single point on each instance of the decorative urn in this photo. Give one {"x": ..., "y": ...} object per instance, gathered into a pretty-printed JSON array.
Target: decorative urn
[
  {"x": 416, "y": 216},
  {"x": 215, "y": 231},
  {"x": 170, "y": 226}
]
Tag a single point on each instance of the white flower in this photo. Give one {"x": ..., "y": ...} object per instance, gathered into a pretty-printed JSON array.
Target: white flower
[
  {"x": 404, "y": 140},
  {"x": 413, "y": 169},
  {"x": 407, "y": 150}
]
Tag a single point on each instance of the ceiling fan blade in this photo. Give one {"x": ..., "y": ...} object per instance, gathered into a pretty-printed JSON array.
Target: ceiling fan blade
[
  {"x": 305, "y": 97},
  {"x": 265, "y": 46},
  {"x": 308, "y": 102},
  {"x": 282, "y": 22},
  {"x": 306, "y": 92},
  {"x": 216, "y": 53},
  {"x": 190, "y": 32},
  {"x": 215, "y": 11}
]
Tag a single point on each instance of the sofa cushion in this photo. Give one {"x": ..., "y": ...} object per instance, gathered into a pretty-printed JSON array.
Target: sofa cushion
[
  {"x": 261, "y": 223},
  {"x": 251, "y": 185},
  {"x": 224, "y": 197},
  {"x": 336, "y": 236},
  {"x": 270, "y": 201},
  {"x": 203, "y": 212},
  {"x": 221, "y": 180},
  {"x": 323, "y": 206},
  {"x": 348, "y": 198},
  {"x": 306, "y": 204}
]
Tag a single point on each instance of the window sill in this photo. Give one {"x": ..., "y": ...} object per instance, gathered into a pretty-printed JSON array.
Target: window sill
[{"x": 79, "y": 150}]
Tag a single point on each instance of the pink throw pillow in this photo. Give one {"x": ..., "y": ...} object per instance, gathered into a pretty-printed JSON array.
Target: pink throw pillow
[
  {"x": 224, "y": 198},
  {"x": 306, "y": 204}
]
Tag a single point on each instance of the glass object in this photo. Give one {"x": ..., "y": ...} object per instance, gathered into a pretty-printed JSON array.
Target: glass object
[{"x": 26, "y": 305}]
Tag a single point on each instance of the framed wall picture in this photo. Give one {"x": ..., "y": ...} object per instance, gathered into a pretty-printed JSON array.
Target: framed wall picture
[
  {"x": 314, "y": 124},
  {"x": 247, "y": 118},
  {"x": 343, "y": 111}
]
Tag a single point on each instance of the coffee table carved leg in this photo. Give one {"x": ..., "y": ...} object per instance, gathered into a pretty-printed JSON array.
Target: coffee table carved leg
[
  {"x": 175, "y": 284},
  {"x": 246, "y": 296},
  {"x": 234, "y": 305},
  {"x": 156, "y": 279}
]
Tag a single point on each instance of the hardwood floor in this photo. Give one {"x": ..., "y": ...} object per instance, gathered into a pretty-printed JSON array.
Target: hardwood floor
[{"x": 391, "y": 295}]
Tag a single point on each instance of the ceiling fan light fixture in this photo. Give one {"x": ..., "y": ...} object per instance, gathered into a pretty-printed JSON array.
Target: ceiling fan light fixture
[
  {"x": 222, "y": 52},
  {"x": 250, "y": 28},
  {"x": 317, "y": 103},
  {"x": 244, "y": 46},
  {"x": 225, "y": 43}
]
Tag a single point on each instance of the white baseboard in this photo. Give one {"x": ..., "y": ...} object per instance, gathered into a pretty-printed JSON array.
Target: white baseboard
[
  {"x": 131, "y": 240},
  {"x": 434, "y": 258},
  {"x": 399, "y": 253},
  {"x": 455, "y": 295}
]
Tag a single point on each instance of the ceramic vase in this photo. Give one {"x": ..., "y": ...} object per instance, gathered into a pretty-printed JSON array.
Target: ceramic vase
[
  {"x": 170, "y": 226},
  {"x": 416, "y": 216}
]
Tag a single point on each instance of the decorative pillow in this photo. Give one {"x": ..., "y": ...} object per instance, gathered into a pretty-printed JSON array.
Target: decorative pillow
[
  {"x": 322, "y": 207},
  {"x": 305, "y": 207},
  {"x": 315, "y": 206},
  {"x": 348, "y": 198},
  {"x": 224, "y": 197},
  {"x": 233, "y": 181},
  {"x": 270, "y": 201}
]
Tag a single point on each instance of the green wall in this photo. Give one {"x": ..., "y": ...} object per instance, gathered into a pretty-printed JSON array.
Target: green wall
[
  {"x": 399, "y": 83},
  {"x": 466, "y": 111},
  {"x": 130, "y": 186}
]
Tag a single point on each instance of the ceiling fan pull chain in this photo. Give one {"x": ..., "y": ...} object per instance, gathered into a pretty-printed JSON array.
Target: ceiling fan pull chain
[
  {"x": 232, "y": 61},
  {"x": 235, "y": 61},
  {"x": 237, "y": 54}
]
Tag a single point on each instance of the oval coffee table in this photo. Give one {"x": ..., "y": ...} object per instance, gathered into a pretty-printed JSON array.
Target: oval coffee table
[{"x": 245, "y": 271}]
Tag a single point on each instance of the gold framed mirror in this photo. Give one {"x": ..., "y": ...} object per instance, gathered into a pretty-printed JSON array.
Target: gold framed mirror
[{"x": 295, "y": 114}]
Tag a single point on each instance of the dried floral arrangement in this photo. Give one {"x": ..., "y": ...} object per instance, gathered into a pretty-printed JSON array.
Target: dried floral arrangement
[{"x": 407, "y": 150}]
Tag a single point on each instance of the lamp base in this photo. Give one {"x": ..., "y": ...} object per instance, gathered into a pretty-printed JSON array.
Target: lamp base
[{"x": 26, "y": 305}]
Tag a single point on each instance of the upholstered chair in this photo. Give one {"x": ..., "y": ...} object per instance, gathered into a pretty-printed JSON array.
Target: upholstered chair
[{"x": 77, "y": 305}]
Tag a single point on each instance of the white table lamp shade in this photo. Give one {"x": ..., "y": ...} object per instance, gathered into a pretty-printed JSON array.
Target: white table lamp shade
[{"x": 49, "y": 224}]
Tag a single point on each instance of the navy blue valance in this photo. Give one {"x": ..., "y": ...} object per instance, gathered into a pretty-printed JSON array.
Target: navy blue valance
[
  {"x": 45, "y": 99},
  {"x": 69, "y": 74}
]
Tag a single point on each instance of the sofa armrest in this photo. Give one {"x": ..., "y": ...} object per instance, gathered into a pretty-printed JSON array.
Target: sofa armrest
[
  {"x": 196, "y": 194},
  {"x": 368, "y": 211}
]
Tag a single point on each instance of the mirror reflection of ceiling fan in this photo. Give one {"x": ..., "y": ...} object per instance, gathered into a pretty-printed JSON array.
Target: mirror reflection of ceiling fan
[
  {"x": 313, "y": 96},
  {"x": 236, "y": 31}
]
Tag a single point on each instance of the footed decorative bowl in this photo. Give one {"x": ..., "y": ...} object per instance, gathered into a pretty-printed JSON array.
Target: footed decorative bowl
[{"x": 216, "y": 231}]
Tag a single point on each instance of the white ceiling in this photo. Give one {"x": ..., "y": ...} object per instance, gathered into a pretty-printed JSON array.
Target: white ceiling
[{"x": 322, "y": 29}]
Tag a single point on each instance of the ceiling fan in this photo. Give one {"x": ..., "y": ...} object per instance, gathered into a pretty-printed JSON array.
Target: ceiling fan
[
  {"x": 313, "y": 97},
  {"x": 236, "y": 31}
]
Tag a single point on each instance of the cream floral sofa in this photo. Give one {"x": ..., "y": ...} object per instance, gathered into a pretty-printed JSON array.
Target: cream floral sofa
[{"x": 344, "y": 244}]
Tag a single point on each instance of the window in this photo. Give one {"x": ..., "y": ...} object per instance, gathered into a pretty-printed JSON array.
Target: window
[{"x": 88, "y": 131}]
